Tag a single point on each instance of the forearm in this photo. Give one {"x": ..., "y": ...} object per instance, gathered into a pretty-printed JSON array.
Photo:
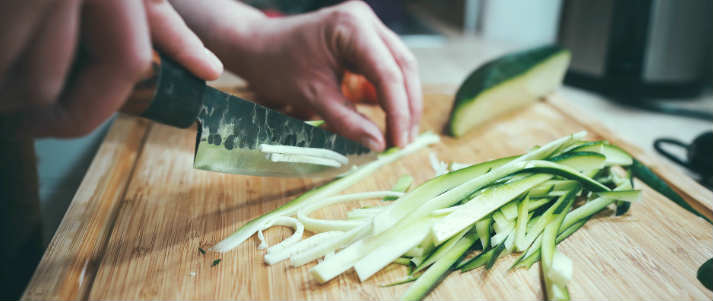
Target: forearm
[{"x": 227, "y": 27}]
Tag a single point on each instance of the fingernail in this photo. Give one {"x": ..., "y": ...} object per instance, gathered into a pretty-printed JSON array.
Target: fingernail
[
  {"x": 372, "y": 143},
  {"x": 414, "y": 132},
  {"x": 213, "y": 60}
]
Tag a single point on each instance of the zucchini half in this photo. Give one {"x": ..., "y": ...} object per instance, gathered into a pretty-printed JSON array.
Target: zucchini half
[{"x": 507, "y": 83}]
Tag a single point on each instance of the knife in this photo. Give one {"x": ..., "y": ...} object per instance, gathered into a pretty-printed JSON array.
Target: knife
[{"x": 232, "y": 130}]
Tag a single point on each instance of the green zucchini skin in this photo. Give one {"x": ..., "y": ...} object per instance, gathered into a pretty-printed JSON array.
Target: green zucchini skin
[
  {"x": 495, "y": 73},
  {"x": 647, "y": 176},
  {"x": 705, "y": 274}
]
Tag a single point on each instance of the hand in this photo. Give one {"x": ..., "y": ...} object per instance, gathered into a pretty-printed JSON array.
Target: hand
[
  {"x": 298, "y": 61},
  {"x": 40, "y": 40}
]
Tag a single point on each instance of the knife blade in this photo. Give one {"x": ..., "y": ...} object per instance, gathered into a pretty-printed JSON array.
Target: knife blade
[{"x": 231, "y": 129}]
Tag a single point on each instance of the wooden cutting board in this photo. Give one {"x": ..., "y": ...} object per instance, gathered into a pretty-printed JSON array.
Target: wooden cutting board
[{"x": 136, "y": 222}]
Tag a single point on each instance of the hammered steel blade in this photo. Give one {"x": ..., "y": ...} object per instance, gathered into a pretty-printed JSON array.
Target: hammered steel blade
[{"x": 231, "y": 129}]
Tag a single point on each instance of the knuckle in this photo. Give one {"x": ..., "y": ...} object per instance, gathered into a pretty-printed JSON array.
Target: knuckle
[
  {"x": 401, "y": 114},
  {"x": 347, "y": 15},
  {"x": 390, "y": 76},
  {"x": 408, "y": 61}
]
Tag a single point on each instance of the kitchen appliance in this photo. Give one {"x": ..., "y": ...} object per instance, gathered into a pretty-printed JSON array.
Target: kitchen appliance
[{"x": 639, "y": 49}]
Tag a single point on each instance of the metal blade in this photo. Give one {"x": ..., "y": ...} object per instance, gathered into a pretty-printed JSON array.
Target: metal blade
[{"x": 231, "y": 130}]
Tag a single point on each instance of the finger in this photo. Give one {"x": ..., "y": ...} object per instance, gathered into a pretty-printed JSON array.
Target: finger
[
  {"x": 409, "y": 68},
  {"x": 50, "y": 54},
  {"x": 171, "y": 34},
  {"x": 343, "y": 119},
  {"x": 116, "y": 39},
  {"x": 364, "y": 51}
]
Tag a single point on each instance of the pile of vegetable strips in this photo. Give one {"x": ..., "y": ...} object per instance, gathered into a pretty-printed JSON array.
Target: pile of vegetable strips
[{"x": 465, "y": 218}]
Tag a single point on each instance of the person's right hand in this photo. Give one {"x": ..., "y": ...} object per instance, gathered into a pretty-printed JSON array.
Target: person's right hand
[{"x": 40, "y": 39}]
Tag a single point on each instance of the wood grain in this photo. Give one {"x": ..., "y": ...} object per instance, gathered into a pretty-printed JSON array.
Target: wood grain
[
  {"x": 69, "y": 264},
  {"x": 170, "y": 210}
]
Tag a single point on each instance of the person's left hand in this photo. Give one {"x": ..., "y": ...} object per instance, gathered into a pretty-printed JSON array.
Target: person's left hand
[{"x": 298, "y": 62}]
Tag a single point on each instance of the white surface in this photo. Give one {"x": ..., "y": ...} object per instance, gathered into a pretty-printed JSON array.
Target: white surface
[{"x": 526, "y": 22}]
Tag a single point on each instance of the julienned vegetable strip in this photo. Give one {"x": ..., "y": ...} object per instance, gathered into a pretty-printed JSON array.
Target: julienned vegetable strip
[
  {"x": 515, "y": 204},
  {"x": 321, "y": 225},
  {"x": 332, "y": 188},
  {"x": 647, "y": 176},
  {"x": 554, "y": 290},
  {"x": 440, "y": 269},
  {"x": 457, "y": 221},
  {"x": 304, "y": 151},
  {"x": 275, "y": 157}
]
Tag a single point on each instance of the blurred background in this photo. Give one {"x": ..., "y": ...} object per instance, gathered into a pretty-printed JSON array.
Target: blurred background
[{"x": 642, "y": 68}]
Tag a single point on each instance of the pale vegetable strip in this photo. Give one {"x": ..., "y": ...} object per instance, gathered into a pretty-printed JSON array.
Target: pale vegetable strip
[
  {"x": 346, "y": 258},
  {"x": 332, "y": 188},
  {"x": 360, "y": 213},
  {"x": 304, "y": 151},
  {"x": 282, "y": 221},
  {"x": 303, "y": 159},
  {"x": 439, "y": 167},
  {"x": 321, "y": 225},
  {"x": 276, "y": 256},
  {"x": 338, "y": 242},
  {"x": 386, "y": 253}
]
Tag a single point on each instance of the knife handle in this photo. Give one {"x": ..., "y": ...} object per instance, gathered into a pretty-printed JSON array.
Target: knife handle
[{"x": 167, "y": 93}]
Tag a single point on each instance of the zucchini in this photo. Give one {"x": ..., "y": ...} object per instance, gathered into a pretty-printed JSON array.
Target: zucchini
[
  {"x": 473, "y": 211},
  {"x": 482, "y": 227},
  {"x": 402, "y": 185},
  {"x": 705, "y": 274},
  {"x": 505, "y": 84},
  {"x": 639, "y": 170},
  {"x": 521, "y": 224},
  {"x": 322, "y": 225},
  {"x": 555, "y": 290},
  {"x": 440, "y": 269},
  {"x": 520, "y": 203},
  {"x": 582, "y": 161},
  {"x": 389, "y": 244},
  {"x": 483, "y": 205},
  {"x": 329, "y": 189},
  {"x": 431, "y": 189},
  {"x": 528, "y": 259},
  {"x": 614, "y": 154},
  {"x": 442, "y": 250}
]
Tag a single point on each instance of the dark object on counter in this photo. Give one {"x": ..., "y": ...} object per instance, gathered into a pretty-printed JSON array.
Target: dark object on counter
[
  {"x": 705, "y": 274},
  {"x": 699, "y": 158},
  {"x": 638, "y": 50}
]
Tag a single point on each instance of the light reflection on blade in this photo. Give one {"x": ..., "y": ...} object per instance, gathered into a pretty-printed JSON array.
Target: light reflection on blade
[{"x": 254, "y": 162}]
